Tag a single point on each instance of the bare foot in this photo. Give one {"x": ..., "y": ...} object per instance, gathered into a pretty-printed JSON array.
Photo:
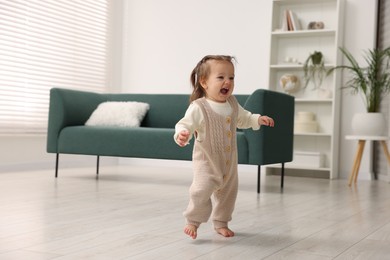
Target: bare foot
[
  {"x": 191, "y": 230},
  {"x": 225, "y": 231}
]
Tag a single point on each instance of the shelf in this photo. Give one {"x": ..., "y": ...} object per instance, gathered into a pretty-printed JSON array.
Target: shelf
[
  {"x": 293, "y": 66},
  {"x": 313, "y": 100},
  {"x": 297, "y": 167},
  {"x": 300, "y": 2},
  {"x": 288, "y": 52},
  {"x": 303, "y": 33},
  {"x": 287, "y": 66},
  {"x": 314, "y": 134}
]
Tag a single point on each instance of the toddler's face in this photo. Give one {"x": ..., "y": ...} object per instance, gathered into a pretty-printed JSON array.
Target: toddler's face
[{"x": 220, "y": 83}]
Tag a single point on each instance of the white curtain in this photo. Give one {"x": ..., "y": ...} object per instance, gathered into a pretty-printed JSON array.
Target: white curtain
[{"x": 46, "y": 44}]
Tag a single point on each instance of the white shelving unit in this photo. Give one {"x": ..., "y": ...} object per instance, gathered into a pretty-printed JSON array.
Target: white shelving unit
[{"x": 297, "y": 45}]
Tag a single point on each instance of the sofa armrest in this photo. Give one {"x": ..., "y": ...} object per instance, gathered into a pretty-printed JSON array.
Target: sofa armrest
[
  {"x": 271, "y": 145},
  {"x": 68, "y": 108}
]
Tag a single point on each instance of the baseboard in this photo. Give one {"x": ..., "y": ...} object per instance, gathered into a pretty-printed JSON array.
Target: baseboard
[
  {"x": 158, "y": 162},
  {"x": 299, "y": 173},
  {"x": 65, "y": 162}
]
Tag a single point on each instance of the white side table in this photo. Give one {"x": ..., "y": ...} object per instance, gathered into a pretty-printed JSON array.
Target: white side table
[{"x": 358, "y": 157}]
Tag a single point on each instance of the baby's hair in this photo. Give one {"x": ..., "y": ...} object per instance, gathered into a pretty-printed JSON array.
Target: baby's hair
[{"x": 202, "y": 71}]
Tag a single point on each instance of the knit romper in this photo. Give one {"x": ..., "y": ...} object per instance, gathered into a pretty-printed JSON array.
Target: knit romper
[{"x": 215, "y": 168}]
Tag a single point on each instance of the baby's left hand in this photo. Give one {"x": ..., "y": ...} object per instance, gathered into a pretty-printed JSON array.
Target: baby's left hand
[{"x": 267, "y": 121}]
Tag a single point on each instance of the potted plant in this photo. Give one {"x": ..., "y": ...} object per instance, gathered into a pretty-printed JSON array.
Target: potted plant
[
  {"x": 315, "y": 72},
  {"x": 372, "y": 82},
  {"x": 314, "y": 69}
]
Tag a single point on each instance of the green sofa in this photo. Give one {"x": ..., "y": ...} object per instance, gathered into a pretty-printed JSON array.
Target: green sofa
[{"x": 70, "y": 109}]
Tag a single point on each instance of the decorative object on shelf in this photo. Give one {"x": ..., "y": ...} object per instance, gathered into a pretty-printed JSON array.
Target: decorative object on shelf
[
  {"x": 373, "y": 83},
  {"x": 289, "y": 83},
  {"x": 305, "y": 122},
  {"x": 292, "y": 60},
  {"x": 316, "y": 25},
  {"x": 315, "y": 72},
  {"x": 308, "y": 159},
  {"x": 314, "y": 69}
]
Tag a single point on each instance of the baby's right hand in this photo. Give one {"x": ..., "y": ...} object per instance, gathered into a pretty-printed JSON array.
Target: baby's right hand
[{"x": 182, "y": 138}]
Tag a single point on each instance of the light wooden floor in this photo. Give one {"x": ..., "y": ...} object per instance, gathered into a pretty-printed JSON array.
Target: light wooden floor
[{"x": 136, "y": 213}]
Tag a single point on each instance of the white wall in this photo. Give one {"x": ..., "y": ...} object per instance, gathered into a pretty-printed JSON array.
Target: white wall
[
  {"x": 28, "y": 152},
  {"x": 163, "y": 40},
  {"x": 23, "y": 152}
]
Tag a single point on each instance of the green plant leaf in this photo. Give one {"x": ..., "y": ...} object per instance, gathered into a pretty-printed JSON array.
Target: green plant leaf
[{"x": 371, "y": 81}]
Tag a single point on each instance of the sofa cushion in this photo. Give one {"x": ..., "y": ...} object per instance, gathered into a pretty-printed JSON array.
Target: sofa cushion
[
  {"x": 124, "y": 114},
  {"x": 139, "y": 142}
]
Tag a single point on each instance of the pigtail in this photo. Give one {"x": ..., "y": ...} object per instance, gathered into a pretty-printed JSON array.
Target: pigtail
[{"x": 197, "y": 89}]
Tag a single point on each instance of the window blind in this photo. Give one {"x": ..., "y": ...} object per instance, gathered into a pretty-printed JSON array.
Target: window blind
[{"x": 45, "y": 44}]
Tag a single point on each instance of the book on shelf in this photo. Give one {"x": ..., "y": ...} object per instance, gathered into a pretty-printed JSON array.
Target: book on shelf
[
  {"x": 284, "y": 21},
  {"x": 290, "y": 21},
  {"x": 294, "y": 20}
]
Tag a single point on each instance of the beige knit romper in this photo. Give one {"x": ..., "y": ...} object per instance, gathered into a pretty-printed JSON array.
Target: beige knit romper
[{"x": 215, "y": 168}]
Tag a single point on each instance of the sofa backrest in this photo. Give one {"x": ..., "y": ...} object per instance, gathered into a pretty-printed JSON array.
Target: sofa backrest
[
  {"x": 165, "y": 109},
  {"x": 72, "y": 107}
]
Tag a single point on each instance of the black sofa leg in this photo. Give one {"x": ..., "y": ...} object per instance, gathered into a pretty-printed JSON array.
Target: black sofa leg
[
  {"x": 282, "y": 177},
  {"x": 97, "y": 167},
  {"x": 57, "y": 158},
  {"x": 258, "y": 178}
]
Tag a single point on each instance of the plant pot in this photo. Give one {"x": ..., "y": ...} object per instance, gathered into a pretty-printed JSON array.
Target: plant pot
[{"x": 369, "y": 124}]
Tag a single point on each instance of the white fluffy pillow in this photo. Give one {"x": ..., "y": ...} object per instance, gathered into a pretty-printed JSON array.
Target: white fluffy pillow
[{"x": 126, "y": 114}]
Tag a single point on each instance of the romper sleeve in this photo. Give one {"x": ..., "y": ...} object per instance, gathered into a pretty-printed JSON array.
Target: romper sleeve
[
  {"x": 191, "y": 121},
  {"x": 247, "y": 120}
]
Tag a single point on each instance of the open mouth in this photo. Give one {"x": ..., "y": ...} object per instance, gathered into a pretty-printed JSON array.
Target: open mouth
[{"x": 224, "y": 91}]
